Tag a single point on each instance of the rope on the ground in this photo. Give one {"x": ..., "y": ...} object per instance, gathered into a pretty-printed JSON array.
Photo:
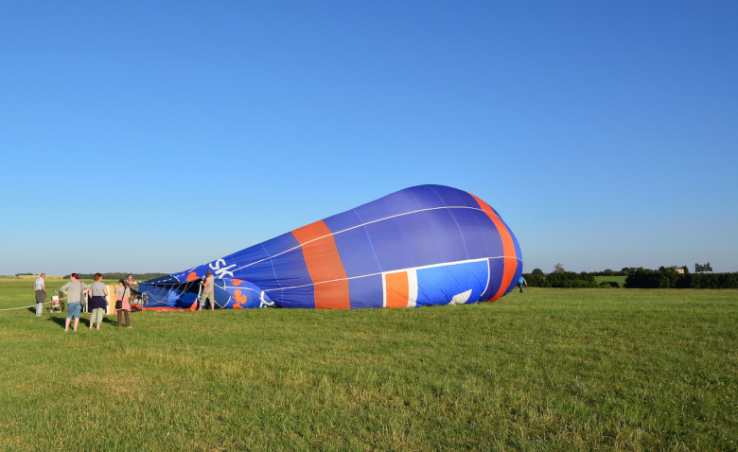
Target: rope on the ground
[{"x": 22, "y": 307}]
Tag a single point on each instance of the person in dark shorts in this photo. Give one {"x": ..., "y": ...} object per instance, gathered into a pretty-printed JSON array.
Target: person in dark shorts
[
  {"x": 74, "y": 290},
  {"x": 99, "y": 302}
]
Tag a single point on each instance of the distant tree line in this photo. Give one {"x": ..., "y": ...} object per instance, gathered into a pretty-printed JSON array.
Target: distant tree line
[
  {"x": 116, "y": 276},
  {"x": 560, "y": 278},
  {"x": 636, "y": 277},
  {"x": 669, "y": 278}
]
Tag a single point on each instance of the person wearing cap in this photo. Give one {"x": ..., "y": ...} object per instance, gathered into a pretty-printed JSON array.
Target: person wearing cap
[
  {"x": 40, "y": 288},
  {"x": 208, "y": 290},
  {"x": 74, "y": 290}
]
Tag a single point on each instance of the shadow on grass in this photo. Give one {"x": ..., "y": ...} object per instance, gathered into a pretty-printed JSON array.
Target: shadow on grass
[
  {"x": 58, "y": 320},
  {"x": 61, "y": 319},
  {"x": 111, "y": 319},
  {"x": 108, "y": 319}
]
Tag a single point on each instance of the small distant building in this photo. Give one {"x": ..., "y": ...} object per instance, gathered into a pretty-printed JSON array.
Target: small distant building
[{"x": 679, "y": 270}]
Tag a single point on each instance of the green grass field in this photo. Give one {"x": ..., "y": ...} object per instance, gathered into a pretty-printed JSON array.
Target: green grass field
[{"x": 550, "y": 369}]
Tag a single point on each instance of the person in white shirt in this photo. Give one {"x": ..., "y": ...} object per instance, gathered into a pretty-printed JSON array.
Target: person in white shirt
[{"x": 40, "y": 288}]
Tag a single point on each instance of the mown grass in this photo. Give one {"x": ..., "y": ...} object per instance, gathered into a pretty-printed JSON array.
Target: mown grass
[{"x": 547, "y": 370}]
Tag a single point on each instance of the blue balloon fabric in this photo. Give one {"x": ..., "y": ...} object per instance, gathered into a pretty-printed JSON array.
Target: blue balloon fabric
[{"x": 421, "y": 246}]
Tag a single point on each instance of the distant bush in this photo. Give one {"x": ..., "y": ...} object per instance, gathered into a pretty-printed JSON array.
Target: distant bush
[
  {"x": 610, "y": 285},
  {"x": 647, "y": 279},
  {"x": 562, "y": 279},
  {"x": 535, "y": 280}
]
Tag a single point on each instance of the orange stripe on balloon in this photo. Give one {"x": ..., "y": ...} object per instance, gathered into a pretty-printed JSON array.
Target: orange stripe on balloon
[
  {"x": 324, "y": 265},
  {"x": 332, "y": 295},
  {"x": 510, "y": 261},
  {"x": 397, "y": 289}
]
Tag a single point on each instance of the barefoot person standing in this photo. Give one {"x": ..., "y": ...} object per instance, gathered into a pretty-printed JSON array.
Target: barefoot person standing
[{"x": 74, "y": 290}]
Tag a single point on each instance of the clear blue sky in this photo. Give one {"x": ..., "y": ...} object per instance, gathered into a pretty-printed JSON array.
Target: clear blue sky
[{"x": 152, "y": 136}]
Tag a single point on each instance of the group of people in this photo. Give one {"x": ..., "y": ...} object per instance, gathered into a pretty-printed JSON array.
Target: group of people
[{"x": 97, "y": 292}]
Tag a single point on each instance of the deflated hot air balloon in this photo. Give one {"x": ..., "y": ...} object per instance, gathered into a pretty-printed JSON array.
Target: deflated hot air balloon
[{"x": 421, "y": 246}]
